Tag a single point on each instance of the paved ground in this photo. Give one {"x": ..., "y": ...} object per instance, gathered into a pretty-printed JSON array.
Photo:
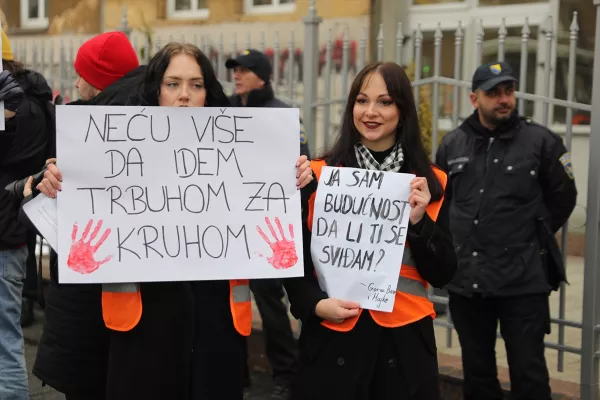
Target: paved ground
[
  {"x": 571, "y": 336},
  {"x": 261, "y": 377}
]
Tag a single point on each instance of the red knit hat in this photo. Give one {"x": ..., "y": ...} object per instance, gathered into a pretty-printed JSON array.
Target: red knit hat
[{"x": 105, "y": 58}]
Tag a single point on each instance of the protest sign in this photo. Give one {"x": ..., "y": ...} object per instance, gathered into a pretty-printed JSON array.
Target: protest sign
[
  {"x": 358, "y": 234},
  {"x": 174, "y": 194}
]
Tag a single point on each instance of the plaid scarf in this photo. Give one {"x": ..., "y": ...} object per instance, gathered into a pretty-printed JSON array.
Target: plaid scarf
[{"x": 393, "y": 162}]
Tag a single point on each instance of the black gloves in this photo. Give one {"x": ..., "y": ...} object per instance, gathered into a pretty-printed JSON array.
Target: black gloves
[{"x": 10, "y": 91}]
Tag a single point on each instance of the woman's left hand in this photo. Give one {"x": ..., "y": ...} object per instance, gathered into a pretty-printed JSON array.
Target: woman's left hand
[
  {"x": 304, "y": 174},
  {"x": 418, "y": 199}
]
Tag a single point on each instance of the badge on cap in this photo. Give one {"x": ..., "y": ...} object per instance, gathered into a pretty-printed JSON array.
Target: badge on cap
[
  {"x": 246, "y": 52},
  {"x": 303, "y": 138},
  {"x": 496, "y": 69}
]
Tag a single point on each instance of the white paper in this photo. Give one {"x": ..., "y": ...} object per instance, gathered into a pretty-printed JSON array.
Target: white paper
[
  {"x": 358, "y": 234},
  {"x": 221, "y": 194},
  {"x": 42, "y": 213}
]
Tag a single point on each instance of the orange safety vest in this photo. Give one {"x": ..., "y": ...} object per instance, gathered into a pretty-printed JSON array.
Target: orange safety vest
[
  {"x": 122, "y": 305},
  {"x": 412, "y": 303}
]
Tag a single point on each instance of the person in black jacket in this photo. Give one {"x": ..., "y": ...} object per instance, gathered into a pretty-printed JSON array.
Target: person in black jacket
[
  {"x": 511, "y": 189},
  {"x": 346, "y": 352},
  {"x": 73, "y": 352},
  {"x": 22, "y": 152},
  {"x": 252, "y": 74}
]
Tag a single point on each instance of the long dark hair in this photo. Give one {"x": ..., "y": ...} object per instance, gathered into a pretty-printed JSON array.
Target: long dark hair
[
  {"x": 408, "y": 132},
  {"x": 12, "y": 66},
  {"x": 150, "y": 88}
]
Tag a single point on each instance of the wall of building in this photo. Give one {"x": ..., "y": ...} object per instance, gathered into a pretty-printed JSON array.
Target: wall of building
[{"x": 154, "y": 12}]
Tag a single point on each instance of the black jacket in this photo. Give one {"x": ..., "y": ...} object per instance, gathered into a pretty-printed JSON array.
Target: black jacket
[
  {"x": 73, "y": 352},
  {"x": 265, "y": 97},
  {"x": 502, "y": 183},
  {"x": 23, "y": 151},
  {"x": 185, "y": 341}
]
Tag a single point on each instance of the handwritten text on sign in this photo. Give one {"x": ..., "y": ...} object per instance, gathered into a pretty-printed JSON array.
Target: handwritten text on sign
[
  {"x": 359, "y": 233},
  {"x": 165, "y": 194}
]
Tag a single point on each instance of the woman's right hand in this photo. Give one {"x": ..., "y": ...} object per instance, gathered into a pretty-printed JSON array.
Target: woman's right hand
[
  {"x": 336, "y": 310},
  {"x": 51, "y": 182}
]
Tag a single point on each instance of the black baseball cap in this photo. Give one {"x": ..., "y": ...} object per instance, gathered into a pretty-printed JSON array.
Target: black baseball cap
[
  {"x": 256, "y": 61},
  {"x": 488, "y": 75}
]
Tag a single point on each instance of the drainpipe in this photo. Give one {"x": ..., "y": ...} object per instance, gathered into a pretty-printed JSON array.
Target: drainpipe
[{"x": 102, "y": 6}]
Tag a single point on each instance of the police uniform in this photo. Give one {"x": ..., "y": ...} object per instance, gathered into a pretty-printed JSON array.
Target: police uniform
[{"x": 510, "y": 190}]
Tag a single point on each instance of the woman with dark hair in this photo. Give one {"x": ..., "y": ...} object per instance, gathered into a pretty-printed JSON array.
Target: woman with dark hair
[
  {"x": 189, "y": 342},
  {"x": 177, "y": 340},
  {"x": 348, "y": 353},
  {"x": 184, "y": 60}
]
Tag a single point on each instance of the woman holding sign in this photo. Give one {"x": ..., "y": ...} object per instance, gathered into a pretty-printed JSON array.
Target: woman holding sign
[
  {"x": 178, "y": 340},
  {"x": 347, "y": 352}
]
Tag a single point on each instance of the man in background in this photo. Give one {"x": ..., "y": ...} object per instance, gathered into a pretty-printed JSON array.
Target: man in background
[{"x": 252, "y": 75}]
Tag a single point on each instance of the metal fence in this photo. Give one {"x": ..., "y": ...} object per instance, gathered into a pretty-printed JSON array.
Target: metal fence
[{"x": 316, "y": 79}]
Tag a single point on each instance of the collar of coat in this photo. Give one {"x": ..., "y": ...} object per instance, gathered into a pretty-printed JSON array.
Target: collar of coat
[{"x": 505, "y": 131}]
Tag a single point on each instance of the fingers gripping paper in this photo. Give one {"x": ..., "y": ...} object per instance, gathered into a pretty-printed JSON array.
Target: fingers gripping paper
[
  {"x": 174, "y": 194},
  {"x": 359, "y": 233}
]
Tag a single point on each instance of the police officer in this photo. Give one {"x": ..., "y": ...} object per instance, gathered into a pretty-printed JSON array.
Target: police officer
[{"x": 511, "y": 188}]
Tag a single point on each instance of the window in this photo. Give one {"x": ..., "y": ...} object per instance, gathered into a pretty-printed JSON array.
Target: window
[
  {"x": 187, "y": 9},
  {"x": 427, "y": 2},
  {"x": 584, "y": 59},
  {"x": 34, "y": 14},
  {"x": 507, "y": 2},
  {"x": 269, "y": 6}
]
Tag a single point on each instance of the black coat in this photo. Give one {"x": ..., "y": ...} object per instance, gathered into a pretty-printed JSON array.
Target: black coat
[
  {"x": 23, "y": 151},
  {"x": 73, "y": 352},
  {"x": 185, "y": 346},
  {"x": 502, "y": 183},
  {"x": 341, "y": 365}
]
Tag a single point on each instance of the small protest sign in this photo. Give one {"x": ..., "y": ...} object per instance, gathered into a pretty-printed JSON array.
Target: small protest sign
[
  {"x": 174, "y": 194},
  {"x": 359, "y": 233}
]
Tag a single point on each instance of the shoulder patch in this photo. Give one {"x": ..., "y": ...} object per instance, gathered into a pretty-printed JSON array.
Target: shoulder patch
[
  {"x": 565, "y": 160},
  {"x": 303, "y": 138}
]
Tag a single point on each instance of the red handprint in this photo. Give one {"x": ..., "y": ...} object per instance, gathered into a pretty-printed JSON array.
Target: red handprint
[
  {"x": 81, "y": 257},
  {"x": 284, "y": 251}
]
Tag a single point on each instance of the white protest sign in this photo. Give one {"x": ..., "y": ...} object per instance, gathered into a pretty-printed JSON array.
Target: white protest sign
[
  {"x": 174, "y": 194},
  {"x": 42, "y": 213},
  {"x": 358, "y": 234}
]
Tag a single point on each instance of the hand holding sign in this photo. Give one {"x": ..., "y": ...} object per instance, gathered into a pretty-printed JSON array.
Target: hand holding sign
[
  {"x": 304, "y": 174},
  {"x": 51, "y": 182},
  {"x": 419, "y": 199},
  {"x": 336, "y": 310}
]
